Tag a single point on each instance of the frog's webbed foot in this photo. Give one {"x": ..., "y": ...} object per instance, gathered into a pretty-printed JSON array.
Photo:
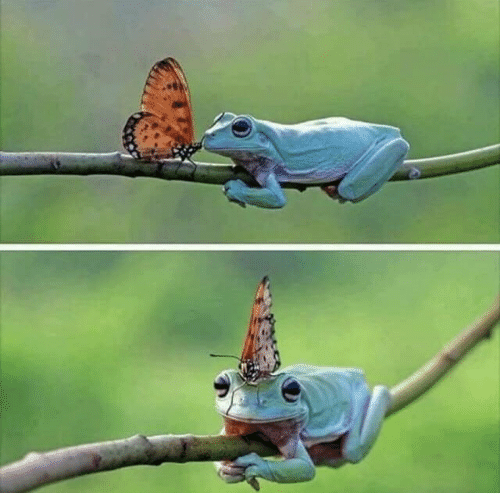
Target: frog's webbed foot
[
  {"x": 229, "y": 472},
  {"x": 232, "y": 191},
  {"x": 232, "y": 473},
  {"x": 299, "y": 468},
  {"x": 254, "y": 466}
]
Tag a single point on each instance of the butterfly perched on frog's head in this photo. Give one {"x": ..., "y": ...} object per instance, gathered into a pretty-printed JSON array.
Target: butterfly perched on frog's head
[
  {"x": 164, "y": 127},
  {"x": 260, "y": 356}
]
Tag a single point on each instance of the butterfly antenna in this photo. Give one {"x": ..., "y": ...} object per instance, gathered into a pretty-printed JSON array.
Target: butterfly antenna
[
  {"x": 232, "y": 395},
  {"x": 230, "y": 356}
]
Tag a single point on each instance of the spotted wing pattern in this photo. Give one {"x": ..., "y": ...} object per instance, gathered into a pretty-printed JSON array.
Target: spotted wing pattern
[
  {"x": 260, "y": 354},
  {"x": 164, "y": 127}
]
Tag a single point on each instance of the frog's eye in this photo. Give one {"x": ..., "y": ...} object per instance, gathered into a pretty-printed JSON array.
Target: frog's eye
[
  {"x": 290, "y": 390},
  {"x": 241, "y": 127},
  {"x": 221, "y": 385}
]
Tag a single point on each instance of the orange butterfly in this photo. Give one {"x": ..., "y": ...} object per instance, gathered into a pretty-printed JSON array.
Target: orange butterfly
[
  {"x": 260, "y": 354},
  {"x": 164, "y": 128}
]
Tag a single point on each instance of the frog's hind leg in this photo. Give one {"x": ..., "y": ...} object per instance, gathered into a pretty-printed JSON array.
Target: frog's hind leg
[
  {"x": 362, "y": 436},
  {"x": 373, "y": 170}
]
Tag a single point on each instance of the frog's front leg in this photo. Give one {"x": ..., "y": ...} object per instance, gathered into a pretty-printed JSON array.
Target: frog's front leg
[
  {"x": 373, "y": 170},
  {"x": 269, "y": 196},
  {"x": 365, "y": 431},
  {"x": 296, "y": 468}
]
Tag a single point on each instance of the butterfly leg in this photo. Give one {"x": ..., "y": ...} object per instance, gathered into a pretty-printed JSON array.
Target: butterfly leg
[{"x": 195, "y": 166}]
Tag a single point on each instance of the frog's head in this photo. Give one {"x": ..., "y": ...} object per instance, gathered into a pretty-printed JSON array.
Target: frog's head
[
  {"x": 277, "y": 397},
  {"x": 236, "y": 136}
]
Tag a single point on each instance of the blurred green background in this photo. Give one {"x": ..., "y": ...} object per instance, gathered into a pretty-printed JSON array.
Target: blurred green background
[
  {"x": 73, "y": 71},
  {"x": 103, "y": 345}
]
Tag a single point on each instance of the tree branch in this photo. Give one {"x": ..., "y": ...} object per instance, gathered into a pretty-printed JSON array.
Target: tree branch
[
  {"x": 37, "y": 469},
  {"x": 124, "y": 165},
  {"x": 429, "y": 374}
]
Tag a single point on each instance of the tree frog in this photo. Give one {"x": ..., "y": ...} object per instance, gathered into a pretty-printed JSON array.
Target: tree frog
[
  {"x": 357, "y": 157},
  {"x": 313, "y": 415}
]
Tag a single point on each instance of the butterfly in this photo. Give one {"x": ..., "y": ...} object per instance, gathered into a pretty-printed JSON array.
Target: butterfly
[
  {"x": 164, "y": 126},
  {"x": 260, "y": 356}
]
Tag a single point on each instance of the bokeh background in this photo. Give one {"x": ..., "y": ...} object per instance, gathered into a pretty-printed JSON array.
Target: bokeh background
[
  {"x": 73, "y": 71},
  {"x": 103, "y": 345}
]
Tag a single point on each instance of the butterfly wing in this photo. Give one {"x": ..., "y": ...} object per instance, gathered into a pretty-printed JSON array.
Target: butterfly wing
[
  {"x": 260, "y": 356},
  {"x": 164, "y": 128}
]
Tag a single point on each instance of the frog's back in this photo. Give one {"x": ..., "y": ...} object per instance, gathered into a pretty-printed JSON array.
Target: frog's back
[
  {"x": 326, "y": 149},
  {"x": 333, "y": 397},
  {"x": 332, "y": 126}
]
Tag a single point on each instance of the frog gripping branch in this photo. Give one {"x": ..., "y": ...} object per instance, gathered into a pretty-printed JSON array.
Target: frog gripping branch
[
  {"x": 262, "y": 401},
  {"x": 356, "y": 157},
  {"x": 313, "y": 415},
  {"x": 347, "y": 159}
]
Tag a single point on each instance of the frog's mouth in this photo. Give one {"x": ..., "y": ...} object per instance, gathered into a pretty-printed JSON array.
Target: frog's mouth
[
  {"x": 251, "y": 420},
  {"x": 242, "y": 415},
  {"x": 277, "y": 432},
  {"x": 248, "y": 154}
]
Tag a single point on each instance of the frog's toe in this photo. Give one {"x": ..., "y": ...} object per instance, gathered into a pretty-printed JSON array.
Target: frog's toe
[
  {"x": 230, "y": 473},
  {"x": 255, "y": 466},
  {"x": 331, "y": 191},
  {"x": 248, "y": 460},
  {"x": 234, "y": 186},
  {"x": 233, "y": 191},
  {"x": 252, "y": 472},
  {"x": 231, "y": 479}
]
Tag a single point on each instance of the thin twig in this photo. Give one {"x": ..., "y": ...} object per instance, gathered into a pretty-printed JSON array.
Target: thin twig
[
  {"x": 37, "y": 469},
  {"x": 124, "y": 165},
  {"x": 430, "y": 373},
  {"x": 449, "y": 164}
]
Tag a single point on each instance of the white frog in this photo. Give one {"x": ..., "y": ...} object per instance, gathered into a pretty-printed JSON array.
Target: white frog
[
  {"x": 356, "y": 158},
  {"x": 313, "y": 415}
]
